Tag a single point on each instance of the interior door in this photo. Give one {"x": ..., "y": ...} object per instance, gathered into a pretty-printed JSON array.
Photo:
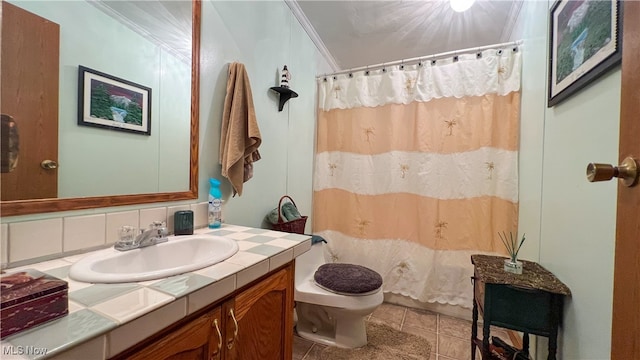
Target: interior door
[
  {"x": 29, "y": 88},
  {"x": 625, "y": 341}
]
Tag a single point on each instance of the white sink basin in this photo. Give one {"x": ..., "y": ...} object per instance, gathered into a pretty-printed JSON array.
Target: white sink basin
[{"x": 179, "y": 255}]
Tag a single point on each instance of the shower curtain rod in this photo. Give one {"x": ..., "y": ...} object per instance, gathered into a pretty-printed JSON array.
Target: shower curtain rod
[{"x": 420, "y": 58}]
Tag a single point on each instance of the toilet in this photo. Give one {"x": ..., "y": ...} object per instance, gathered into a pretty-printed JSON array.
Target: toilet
[{"x": 327, "y": 317}]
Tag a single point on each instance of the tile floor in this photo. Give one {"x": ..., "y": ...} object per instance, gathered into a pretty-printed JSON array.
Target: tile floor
[{"x": 449, "y": 336}]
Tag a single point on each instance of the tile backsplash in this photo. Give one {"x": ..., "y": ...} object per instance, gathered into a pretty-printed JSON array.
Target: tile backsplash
[
  {"x": 147, "y": 216},
  {"x": 34, "y": 239},
  {"x": 27, "y": 242},
  {"x": 81, "y": 232}
]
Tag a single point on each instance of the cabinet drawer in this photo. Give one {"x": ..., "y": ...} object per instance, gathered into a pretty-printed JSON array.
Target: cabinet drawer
[{"x": 530, "y": 309}]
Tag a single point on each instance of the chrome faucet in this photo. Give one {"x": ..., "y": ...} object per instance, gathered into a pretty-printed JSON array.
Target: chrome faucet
[{"x": 155, "y": 234}]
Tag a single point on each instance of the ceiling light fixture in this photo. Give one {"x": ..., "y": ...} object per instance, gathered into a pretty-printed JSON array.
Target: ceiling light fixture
[{"x": 461, "y": 5}]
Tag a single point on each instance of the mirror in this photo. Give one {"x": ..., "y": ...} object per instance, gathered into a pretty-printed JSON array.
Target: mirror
[{"x": 89, "y": 143}]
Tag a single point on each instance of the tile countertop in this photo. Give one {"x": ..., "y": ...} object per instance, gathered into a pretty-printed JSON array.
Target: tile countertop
[{"x": 97, "y": 312}]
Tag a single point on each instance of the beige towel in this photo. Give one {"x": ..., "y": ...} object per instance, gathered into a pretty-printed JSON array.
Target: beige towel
[{"x": 240, "y": 135}]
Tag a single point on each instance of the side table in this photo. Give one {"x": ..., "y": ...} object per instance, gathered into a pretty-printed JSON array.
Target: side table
[{"x": 530, "y": 302}]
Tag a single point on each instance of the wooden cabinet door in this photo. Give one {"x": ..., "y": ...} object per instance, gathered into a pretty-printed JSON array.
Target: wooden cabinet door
[
  {"x": 197, "y": 340},
  {"x": 216, "y": 340},
  {"x": 264, "y": 317}
]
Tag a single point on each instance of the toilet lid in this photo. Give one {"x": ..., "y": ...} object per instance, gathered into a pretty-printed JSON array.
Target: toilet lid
[{"x": 348, "y": 279}]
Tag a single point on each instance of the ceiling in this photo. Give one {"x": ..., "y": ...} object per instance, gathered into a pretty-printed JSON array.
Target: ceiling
[
  {"x": 164, "y": 22},
  {"x": 351, "y": 33},
  {"x": 359, "y": 33}
]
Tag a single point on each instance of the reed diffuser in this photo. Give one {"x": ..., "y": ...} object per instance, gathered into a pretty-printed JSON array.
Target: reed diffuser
[{"x": 512, "y": 264}]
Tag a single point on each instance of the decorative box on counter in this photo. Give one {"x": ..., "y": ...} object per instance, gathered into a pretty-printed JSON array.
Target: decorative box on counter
[{"x": 29, "y": 298}]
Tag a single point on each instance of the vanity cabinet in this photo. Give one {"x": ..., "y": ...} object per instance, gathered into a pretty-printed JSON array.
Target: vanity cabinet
[
  {"x": 198, "y": 339},
  {"x": 255, "y": 322},
  {"x": 259, "y": 320}
]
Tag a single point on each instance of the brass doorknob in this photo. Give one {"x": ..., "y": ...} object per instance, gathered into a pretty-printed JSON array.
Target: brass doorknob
[
  {"x": 49, "y": 164},
  {"x": 627, "y": 171}
]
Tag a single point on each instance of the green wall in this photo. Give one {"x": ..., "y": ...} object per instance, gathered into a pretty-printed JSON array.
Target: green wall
[
  {"x": 570, "y": 223},
  {"x": 264, "y": 36}
]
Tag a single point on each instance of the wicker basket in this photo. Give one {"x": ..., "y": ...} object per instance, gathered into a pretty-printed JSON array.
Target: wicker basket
[{"x": 293, "y": 226}]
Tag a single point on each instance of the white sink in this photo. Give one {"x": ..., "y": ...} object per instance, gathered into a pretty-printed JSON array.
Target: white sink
[{"x": 178, "y": 255}]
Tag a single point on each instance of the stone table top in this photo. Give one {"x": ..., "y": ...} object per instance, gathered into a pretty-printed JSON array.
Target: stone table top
[{"x": 490, "y": 270}]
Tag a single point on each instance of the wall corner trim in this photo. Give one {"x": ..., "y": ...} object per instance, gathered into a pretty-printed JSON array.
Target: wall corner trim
[{"x": 315, "y": 38}]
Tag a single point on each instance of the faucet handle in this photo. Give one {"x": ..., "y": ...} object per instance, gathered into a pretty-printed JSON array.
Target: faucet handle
[
  {"x": 160, "y": 227},
  {"x": 127, "y": 233},
  {"x": 157, "y": 225}
]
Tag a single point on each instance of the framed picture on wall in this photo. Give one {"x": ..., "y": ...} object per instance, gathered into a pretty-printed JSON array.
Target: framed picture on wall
[
  {"x": 585, "y": 39},
  {"x": 109, "y": 102}
]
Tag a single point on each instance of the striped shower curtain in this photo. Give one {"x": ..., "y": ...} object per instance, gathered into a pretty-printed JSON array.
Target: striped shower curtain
[{"x": 417, "y": 168}]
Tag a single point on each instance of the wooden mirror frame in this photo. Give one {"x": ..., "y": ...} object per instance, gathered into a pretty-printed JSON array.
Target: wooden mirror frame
[{"x": 24, "y": 207}]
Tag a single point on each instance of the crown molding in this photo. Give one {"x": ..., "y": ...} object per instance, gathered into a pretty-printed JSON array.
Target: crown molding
[
  {"x": 315, "y": 38},
  {"x": 144, "y": 32},
  {"x": 514, "y": 13}
]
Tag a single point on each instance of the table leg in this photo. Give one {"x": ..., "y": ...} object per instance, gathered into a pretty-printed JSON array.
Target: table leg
[
  {"x": 556, "y": 315},
  {"x": 525, "y": 343},
  {"x": 553, "y": 344},
  {"x": 485, "y": 339},
  {"x": 474, "y": 329}
]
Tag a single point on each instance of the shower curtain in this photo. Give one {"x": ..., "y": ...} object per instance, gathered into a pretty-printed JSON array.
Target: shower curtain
[{"x": 416, "y": 169}]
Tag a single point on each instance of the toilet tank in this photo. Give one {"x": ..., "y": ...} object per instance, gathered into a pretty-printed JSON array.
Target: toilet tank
[{"x": 308, "y": 263}]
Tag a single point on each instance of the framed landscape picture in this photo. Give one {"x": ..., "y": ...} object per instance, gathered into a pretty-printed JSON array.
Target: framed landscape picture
[
  {"x": 585, "y": 39},
  {"x": 109, "y": 102}
]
